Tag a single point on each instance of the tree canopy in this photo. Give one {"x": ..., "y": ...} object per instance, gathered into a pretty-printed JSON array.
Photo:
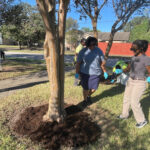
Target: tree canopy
[
  {"x": 71, "y": 24},
  {"x": 92, "y": 9},
  {"x": 141, "y": 30},
  {"x": 22, "y": 23}
]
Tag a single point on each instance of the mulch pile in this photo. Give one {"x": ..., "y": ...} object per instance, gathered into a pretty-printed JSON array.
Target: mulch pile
[{"x": 76, "y": 130}]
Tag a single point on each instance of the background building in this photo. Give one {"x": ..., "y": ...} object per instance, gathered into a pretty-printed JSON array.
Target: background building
[{"x": 120, "y": 37}]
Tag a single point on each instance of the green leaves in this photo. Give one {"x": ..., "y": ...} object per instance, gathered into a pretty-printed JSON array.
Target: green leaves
[
  {"x": 23, "y": 23},
  {"x": 141, "y": 30}
]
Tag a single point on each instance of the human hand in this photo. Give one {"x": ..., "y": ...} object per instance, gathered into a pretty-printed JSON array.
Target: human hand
[
  {"x": 118, "y": 71},
  {"x": 112, "y": 81},
  {"x": 148, "y": 79},
  {"x": 105, "y": 75}
]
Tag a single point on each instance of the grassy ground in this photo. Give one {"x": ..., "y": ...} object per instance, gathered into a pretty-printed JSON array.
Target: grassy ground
[
  {"x": 12, "y": 48},
  {"x": 107, "y": 104},
  {"x": 13, "y": 67}
]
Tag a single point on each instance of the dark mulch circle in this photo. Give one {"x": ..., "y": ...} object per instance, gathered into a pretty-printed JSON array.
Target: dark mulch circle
[{"x": 76, "y": 130}]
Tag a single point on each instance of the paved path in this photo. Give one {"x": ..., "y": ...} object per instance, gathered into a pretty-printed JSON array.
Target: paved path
[
  {"x": 9, "y": 86},
  {"x": 68, "y": 58}
]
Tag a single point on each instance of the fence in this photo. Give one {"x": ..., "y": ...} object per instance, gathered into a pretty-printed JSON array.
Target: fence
[{"x": 119, "y": 49}]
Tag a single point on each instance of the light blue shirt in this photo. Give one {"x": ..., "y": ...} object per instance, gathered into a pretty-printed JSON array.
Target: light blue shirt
[{"x": 91, "y": 61}]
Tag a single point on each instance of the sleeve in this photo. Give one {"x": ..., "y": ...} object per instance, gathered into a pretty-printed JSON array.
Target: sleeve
[
  {"x": 78, "y": 49},
  {"x": 147, "y": 62},
  {"x": 80, "y": 56},
  {"x": 102, "y": 56}
]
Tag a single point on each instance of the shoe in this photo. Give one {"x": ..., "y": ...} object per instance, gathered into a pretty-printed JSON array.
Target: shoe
[
  {"x": 88, "y": 100},
  {"x": 141, "y": 124},
  {"x": 121, "y": 117}
]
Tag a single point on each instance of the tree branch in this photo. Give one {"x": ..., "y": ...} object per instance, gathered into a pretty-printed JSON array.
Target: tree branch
[
  {"x": 104, "y": 2},
  {"x": 82, "y": 5}
]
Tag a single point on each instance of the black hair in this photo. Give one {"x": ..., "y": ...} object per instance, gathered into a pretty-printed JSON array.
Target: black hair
[
  {"x": 90, "y": 40},
  {"x": 139, "y": 44},
  {"x": 83, "y": 40},
  {"x": 145, "y": 45}
]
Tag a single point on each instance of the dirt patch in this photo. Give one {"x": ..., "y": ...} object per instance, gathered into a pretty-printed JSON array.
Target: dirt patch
[{"x": 76, "y": 130}]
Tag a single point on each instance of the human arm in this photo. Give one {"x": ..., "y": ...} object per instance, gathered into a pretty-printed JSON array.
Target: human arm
[
  {"x": 78, "y": 67},
  {"x": 103, "y": 65},
  {"x": 148, "y": 71}
]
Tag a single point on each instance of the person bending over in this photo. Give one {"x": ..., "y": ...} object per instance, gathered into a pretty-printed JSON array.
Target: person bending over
[{"x": 90, "y": 66}]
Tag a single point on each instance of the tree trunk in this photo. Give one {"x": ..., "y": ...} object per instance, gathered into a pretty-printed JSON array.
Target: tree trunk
[
  {"x": 20, "y": 45},
  {"x": 94, "y": 24},
  {"x": 54, "y": 55},
  {"x": 62, "y": 25},
  {"x": 52, "y": 61},
  {"x": 109, "y": 44}
]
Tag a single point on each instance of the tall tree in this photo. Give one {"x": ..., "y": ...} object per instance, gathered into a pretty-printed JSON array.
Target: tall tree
[
  {"x": 86, "y": 29},
  {"x": 141, "y": 31},
  {"x": 4, "y": 7},
  {"x": 91, "y": 8},
  {"x": 33, "y": 28},
  {"x": 72, "y": 32},
  {"x": 134, "y": 22},
  {"x": 71, "y": 24},
  {"x": 123, "y": 10},
  {"x": 11, "y": 26},
  {"x": 23, "y": 24},
  {"x": 54, "y": 54}
]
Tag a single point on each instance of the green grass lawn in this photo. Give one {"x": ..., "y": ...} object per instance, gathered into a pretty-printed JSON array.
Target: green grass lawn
[
  {"x": 15, "y": 48},
  {"x": 107, "y": 104},
  {"x": 13, "y": 67}
]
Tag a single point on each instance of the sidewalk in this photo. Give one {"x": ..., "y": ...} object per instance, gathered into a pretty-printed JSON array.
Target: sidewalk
[{"x": 11, "y": 85}]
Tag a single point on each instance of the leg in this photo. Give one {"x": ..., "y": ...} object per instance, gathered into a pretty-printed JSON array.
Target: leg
[
  {"x": 85, "y": 94},
  {"x": 137, "y": 92},
  {"x": 91, "y": 92},
  {"x": 127, "y": 99}
]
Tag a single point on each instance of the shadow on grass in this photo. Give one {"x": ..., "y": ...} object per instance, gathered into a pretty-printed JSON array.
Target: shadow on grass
[
  {"x": 118, "y": 89},
  {"x": 115, "y": 133},
  {"x": 23, "y": 86}
]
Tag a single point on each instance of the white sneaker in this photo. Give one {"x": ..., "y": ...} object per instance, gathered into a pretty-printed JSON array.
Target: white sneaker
[
  {"x": 141, "y": 124},
  {"x": 121, "y": 117}
]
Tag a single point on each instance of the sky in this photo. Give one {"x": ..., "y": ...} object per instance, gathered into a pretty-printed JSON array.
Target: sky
[{"x": 104, "y": 23}]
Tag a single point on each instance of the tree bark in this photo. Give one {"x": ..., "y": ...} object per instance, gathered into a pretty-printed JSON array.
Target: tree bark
[
  {"x": 47, "y": 11},
  {"x": 20, "y": 45},
  {"x": 112, "y": 34},
  {"x": 54, "y": 55},
  {"x": 94, "y": 24},
  {"x": 62, "y": 25}
]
